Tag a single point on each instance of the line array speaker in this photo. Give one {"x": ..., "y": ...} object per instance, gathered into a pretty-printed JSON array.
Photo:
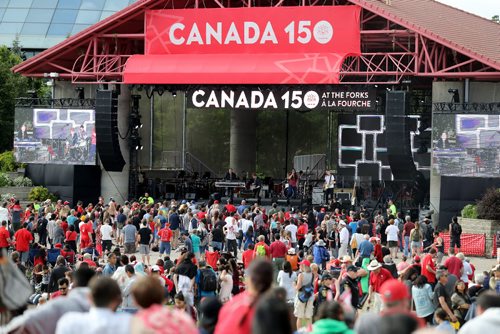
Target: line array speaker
[
  {"x": 106, "y": 125},
  {"x": 397, "y": 134}
]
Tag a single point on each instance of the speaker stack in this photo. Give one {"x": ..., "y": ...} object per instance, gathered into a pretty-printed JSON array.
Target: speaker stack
[
  {"x": 106, "y": 126},
  {"x": 397, "y": 134}
]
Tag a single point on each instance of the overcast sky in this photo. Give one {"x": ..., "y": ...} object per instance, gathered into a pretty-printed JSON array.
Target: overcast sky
[{"x": 484, "y": 8}]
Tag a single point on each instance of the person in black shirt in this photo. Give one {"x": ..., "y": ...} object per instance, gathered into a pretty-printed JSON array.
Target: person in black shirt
[
  {"x": 441, "y": 295},
  {"x": 184, "y": 277},
  {"x": 350, "y": 282},
  {"x": 145, "y": 237},
  {"x": 218, "y": 238}
]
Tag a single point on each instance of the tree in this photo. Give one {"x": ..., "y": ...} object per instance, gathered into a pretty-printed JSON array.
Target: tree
[
  {"x": 12, "y": 86},
  {"x": 496, "y": 18}
]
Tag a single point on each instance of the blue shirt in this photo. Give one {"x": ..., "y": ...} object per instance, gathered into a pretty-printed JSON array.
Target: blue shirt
[
  {"x": 202, "y": 293},
  {"x": 365, "y": 248},
  {"x": 242, "y": 208},
  {"x": 353, "y": 226},
  {"x": 108, "y": 270},
  {"x": 195, "y": 240},
  {"x": 71, "y": 220},
  {"x": 175, "y": 221},
  {"x": 423, "y": 300}
]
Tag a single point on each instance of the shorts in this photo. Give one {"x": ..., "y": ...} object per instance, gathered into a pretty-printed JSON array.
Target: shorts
[
  {"x": 129, "y": 247},
  {"x": 303, "y": 310},
  {"x": 144, "y": 249},
  {"x": 393, "y": 244},
  {"x": 455, "y": 242}
]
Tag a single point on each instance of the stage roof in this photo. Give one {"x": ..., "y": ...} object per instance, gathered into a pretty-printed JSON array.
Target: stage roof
[{"x": 399, "y": 38}]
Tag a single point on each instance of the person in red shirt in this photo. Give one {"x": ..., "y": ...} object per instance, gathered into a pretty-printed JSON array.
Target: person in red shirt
[
  {"x": 278, "y": 252},
  {"x": 454, "y": 264},
  {"x": 237, "y": 315},
  {"x": 301, "y": 233},
  {"x": 86, "y": 234},
  {"x": 23, "y": 239},
  {"x": 63, "y": 290},
  {"x": 230, "y": 208},
  {"x": 378, "y": 276},
  {"x": 4, "y": 237},
  {"x": 248, "y": 256},
  {"x": 165, "y": 239},
  {"x": 261, "y": 248},
  {"x": 212, "y": 258},
  {"x": 429, "y": 267}
]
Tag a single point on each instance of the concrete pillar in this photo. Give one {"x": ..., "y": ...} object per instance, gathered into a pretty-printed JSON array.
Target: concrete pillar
[
  {"x": 242, "y": 149},
  {"x": 115, "y": 184}
]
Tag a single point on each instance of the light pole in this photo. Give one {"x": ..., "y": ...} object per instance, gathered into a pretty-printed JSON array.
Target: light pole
[{"x": 52, "y": 84}]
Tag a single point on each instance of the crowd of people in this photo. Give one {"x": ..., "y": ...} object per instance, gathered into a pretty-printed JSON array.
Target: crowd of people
[{"x": 160, "y": 267}]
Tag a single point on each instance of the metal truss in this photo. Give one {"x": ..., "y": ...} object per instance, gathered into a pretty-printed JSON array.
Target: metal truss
[
  {"x": 73, "y": 103},
  {"x": 390, "y": 52},
  {"x": 466, "y": 108}
]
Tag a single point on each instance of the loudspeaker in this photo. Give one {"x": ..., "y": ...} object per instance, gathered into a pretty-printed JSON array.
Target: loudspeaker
[
  {"x": 397, "y": 132},
  {"x": 106, "y": 128}
]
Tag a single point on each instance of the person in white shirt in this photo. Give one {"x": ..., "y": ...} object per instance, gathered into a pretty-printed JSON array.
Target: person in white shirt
[
  {"x": 292, "y": 228},
  {"x": 467, "y": 268},
  {"x": 328, "y": 186},
  {"x": 344, "y": 238},
  {"x": 392, "y": 232},
  {"x": 231, "y": 228},
  {"x": 4, "y": 213},
  {"x": 102, "y": 318},
  {"x": 286, "y": 279},
  {"x": 106, "y": 236},
  {"x": 245, "y": 223}
]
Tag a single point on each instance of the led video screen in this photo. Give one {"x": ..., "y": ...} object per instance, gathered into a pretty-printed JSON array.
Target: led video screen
[
  {"x": 466, "y": 145},
  {"x": 55, "y": 136}
]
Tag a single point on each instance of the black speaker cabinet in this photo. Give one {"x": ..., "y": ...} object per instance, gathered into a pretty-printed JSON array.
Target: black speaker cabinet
[
  {"x": 397, "y": 132},
  {"x": 106, "y": 127}
]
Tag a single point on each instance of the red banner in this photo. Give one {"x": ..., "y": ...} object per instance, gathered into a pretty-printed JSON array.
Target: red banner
[
  {"x": 472, "y": 244},
  {"x": 297, "y": 30}
]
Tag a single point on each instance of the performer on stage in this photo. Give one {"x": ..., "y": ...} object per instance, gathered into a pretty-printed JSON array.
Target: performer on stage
[
  {"x": 292, "y": 179},
  {"x": 328, "y": 186},
  {"x": 230, "y": 175},
  {"x": 255, "y": 184}
]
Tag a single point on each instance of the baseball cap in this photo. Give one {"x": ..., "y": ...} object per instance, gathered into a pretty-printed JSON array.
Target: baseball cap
[
  {"x": 216, "y": 202},
  {"x": 416, "y": 258},
  {"x": 155, "y": 268},
  {"x": 326, "y": 276},
  {"x": 323, "y": 210},
  {"x": 66, "y": 203},
  {"x": 305, "y": 263},
  {"x": 352, "y": 268},
  {"x": 393, "y": 291}
]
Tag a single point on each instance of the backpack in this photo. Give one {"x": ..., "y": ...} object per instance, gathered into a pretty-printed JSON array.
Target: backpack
[
  {"x": 260, "y": 251},
  {"x": 399, "y": 224},
  {"x": 305, "y": 293},
  {"x": 208, "y": 280},
  {"x": 456, "y": 229}
]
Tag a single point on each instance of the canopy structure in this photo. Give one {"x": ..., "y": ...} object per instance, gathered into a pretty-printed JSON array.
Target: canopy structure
[{"x": 399, "y": 38}]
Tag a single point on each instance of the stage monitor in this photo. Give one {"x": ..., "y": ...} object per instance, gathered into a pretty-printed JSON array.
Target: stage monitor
[
  {"x": 55, "y": 136},
  {"x": 466, "y": 145}
]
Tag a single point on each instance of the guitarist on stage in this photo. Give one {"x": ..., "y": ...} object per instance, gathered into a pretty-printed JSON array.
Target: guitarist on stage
[{"x": 328, "y": 186}]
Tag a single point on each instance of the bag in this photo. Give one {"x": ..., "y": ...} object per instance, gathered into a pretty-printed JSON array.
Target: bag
[
  {"x": 305, "y": 293},
  {"x": 456, "y": 229},
  {"x": 208, "y": 280},
  {"x": 155, "y": 249},
  {"x": 260, "y": 251},
  {"x": 354, "y": 243},
  {"x": 15, "y": 289}
]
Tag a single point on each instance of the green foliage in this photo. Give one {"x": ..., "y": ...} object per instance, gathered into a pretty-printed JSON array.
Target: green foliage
[
  {"x": 22, "y": 181},
  {"x": 39, "y": 194},
  {"x": 487, "y": 207},
  {"x": 12, "y": 86},
  {"x": 5, "y": 197},
  {"x": 8, "y": 162},
  {"x": 5, "y": 180},
  {"x": 469, "y": 211}
]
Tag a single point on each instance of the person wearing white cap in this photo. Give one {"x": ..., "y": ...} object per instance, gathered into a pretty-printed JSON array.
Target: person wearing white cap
[
  {"x": 378, "y": 276},
  {"x": 344, "y": 238}
]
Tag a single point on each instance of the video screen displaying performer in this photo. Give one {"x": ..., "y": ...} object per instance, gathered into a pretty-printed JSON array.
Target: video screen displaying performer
[
  {"x": 466, "y": 145},
  {"x": 55, "y": 136}
]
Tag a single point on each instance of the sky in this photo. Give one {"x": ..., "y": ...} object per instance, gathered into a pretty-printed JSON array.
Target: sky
[{"x": 484, "y": 8}]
